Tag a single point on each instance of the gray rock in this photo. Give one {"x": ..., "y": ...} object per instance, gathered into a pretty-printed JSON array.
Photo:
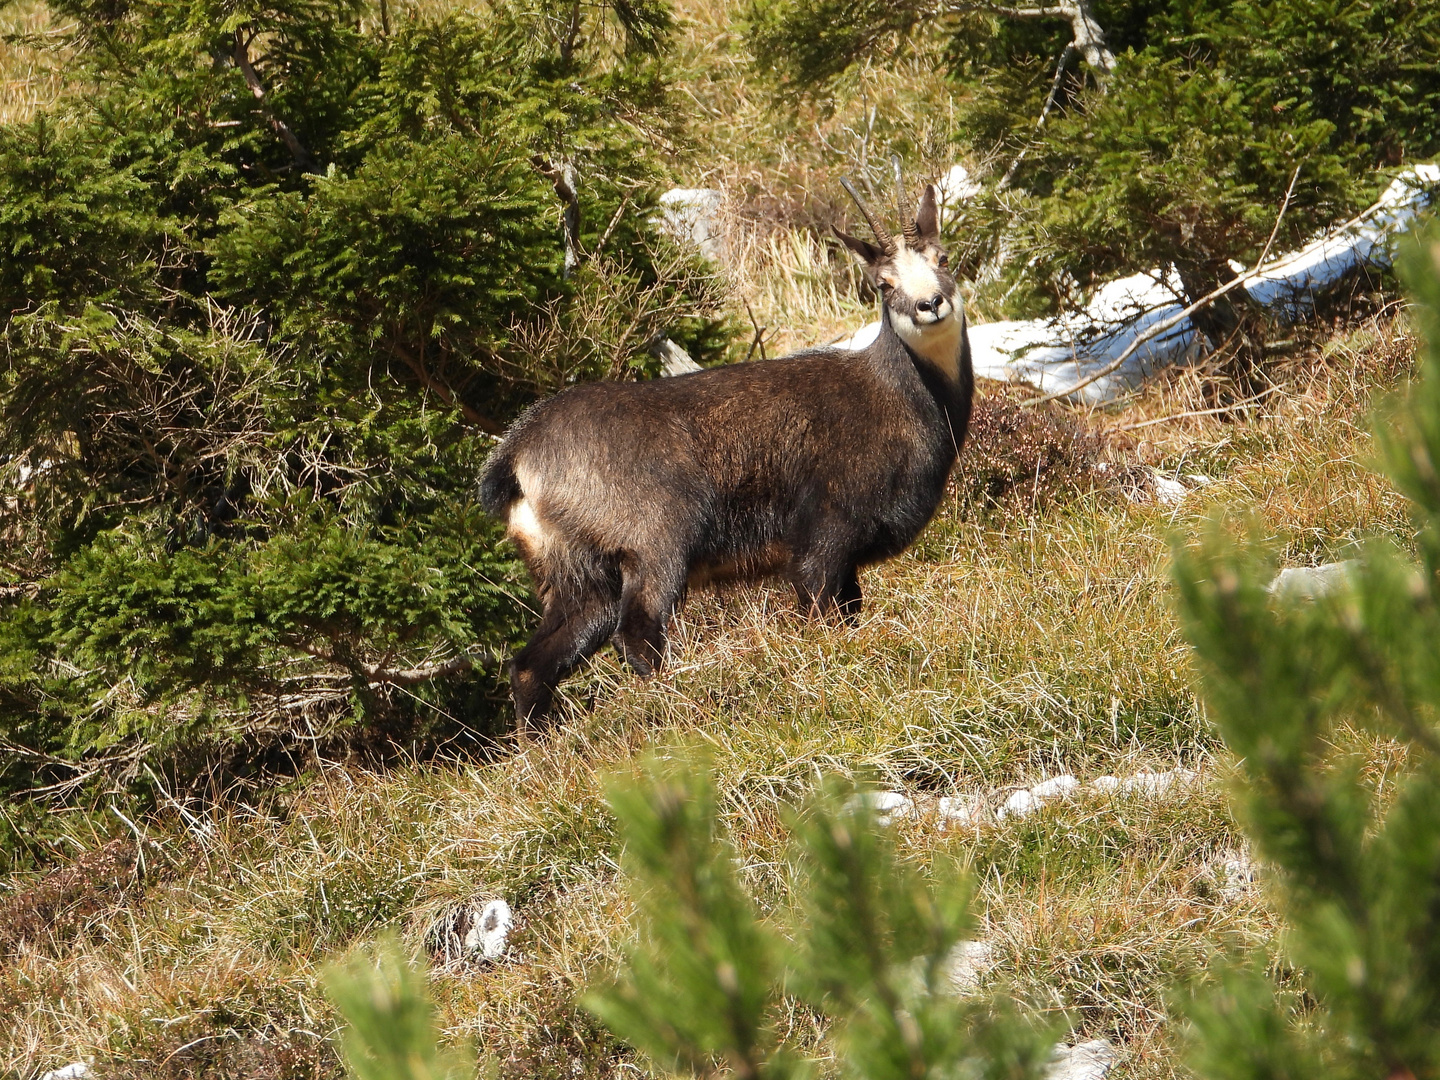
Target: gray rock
[
  {"x": 73, "y": 1071},
  {"x": 969, "y": 961},
  {"x": 673, "y": 359},
  {"x": 1311, "y": 582},
  {"x": 1084, "y": 1061}
]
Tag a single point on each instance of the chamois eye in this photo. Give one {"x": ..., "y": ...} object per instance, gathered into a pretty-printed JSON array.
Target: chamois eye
[{"x": 944, "y": 259}]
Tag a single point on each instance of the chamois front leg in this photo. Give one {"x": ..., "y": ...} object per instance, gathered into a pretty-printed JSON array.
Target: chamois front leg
[
  {"x": 848, "y": 596},
  {"x": 827, "y": 587}
]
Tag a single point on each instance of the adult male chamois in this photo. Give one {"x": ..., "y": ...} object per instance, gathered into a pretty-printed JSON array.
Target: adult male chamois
[{"x": 620, "y": 495}]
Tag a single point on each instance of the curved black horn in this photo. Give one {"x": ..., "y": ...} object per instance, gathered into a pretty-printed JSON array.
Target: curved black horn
[
  {"x": 877, "y": 226},
  {"x": 907, "y": 213}
]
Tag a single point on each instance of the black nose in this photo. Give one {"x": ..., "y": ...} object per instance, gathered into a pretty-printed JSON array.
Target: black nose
[{"x": 933, "y": 304}]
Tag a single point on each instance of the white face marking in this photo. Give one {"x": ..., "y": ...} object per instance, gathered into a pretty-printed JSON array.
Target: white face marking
[
  {"x": 914, "y": 276},
  {"x": 933, "y": 335},
  {"x": 937, "y": 342}
]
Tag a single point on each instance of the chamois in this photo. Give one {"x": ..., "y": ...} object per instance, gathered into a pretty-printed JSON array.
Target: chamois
[{"x": 810, "y": 466}]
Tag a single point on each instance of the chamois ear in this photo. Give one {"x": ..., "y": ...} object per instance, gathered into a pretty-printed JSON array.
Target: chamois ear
[
  {"x": 927, "y": 217},
  {"x": 869, "y": 254}
]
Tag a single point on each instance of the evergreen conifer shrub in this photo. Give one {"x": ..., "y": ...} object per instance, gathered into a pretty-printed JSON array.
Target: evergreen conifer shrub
[
  {"x": 1301, "y": 691},
  {"x": 273, "y": 275},
  {"x": 1180, "y": 153},
  {"x": 866, "y": 943}
]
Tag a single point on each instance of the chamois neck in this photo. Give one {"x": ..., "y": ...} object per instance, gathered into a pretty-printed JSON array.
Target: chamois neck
[{"x": 941, "y": 348}]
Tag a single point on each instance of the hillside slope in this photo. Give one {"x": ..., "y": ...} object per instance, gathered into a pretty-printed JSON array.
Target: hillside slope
[
  {"x": 1014, "y": 644},
  {"x": 1028, "y": 635}
]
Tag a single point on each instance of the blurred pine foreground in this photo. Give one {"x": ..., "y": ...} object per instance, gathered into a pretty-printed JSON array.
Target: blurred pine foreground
[{"x": 1126, "y": 768}]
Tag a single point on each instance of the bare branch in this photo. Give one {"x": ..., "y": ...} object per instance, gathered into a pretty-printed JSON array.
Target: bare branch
[
  {"x": 566, "y": 184},
  {"x": 1175, "y": 320},
  {"x": 447, "y": 395},
  {"x": 381, "y": 675},
  {"x": 1089, "y": 37},
  {"x": 1055, "y": 84},
  {"x": 301, "y": 156}
]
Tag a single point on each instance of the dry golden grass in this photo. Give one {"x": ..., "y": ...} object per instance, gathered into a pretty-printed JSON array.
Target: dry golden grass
[
  {"x": 1005, "y": 648},
  {"x": 33, "y": 74}
]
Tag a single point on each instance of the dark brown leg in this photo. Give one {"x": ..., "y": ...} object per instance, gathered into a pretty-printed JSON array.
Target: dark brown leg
[{"x": 569, "y": 633}]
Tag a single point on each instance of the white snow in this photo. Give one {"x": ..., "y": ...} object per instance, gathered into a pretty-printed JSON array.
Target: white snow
[
  {"x": 1021, "y": 803},
  {"x": 956, "y": 186},
  {"x": 692, "y": 216},
  {"x": 961, "y": 810},
  {"x": 1311, "y": 582},
  {"x": 888, "y": 806},
  {"x": 490, "y": 933},
  {"x": 73, "y": 1071}
]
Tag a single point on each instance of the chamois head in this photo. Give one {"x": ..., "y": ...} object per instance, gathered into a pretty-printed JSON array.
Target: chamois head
[{"x": 911, "y": 271}]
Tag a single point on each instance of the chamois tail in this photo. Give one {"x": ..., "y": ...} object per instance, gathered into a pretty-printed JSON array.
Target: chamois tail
[{"x": 499, "y": 487}]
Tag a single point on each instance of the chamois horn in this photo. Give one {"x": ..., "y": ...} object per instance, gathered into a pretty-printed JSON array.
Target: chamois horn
[
  {"x": 907, "y": 213},
  {"x": 882, "y": 234}
]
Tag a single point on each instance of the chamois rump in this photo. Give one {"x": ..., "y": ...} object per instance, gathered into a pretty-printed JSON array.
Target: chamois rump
[{"x": 810, "y": 466}]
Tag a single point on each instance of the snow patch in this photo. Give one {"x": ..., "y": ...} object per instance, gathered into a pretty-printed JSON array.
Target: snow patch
[
  {"x": 962, "y": 810},
  {"x": 489, "y": 935},
  {"x": 1027, "y": 801},
  {"x": 692, "y": 216},
  {"x": 1147, "y": 783},
  {"x": 1056, "y": 354},
  {"x": 887, "y": 806},
  {"x": 1311, "y": 582}
]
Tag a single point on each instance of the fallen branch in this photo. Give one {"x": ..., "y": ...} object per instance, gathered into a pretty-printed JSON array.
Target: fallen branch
[
  {"x": 1175, "y": 320},
  {"x": 381, "y": 675}
]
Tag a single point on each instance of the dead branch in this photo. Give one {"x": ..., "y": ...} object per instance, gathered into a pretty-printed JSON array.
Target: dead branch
[
  {"x": 381, "y": 675},
  {"x": 301, "y": 156},
  {"x": 1055, "y": 84},
  {"x": 1174, "y": 320},
  {"x": 566, "y": 183},
  {"x": 1089, "y": 37},
  {"x": 446, "y": 394}
]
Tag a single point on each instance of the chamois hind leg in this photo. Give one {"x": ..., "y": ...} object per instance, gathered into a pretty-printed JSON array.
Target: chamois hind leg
[
  {"x": 848, "y": 596},
  {"x": 572, "y": 629},
  {"x": 647, "y": 602}
]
